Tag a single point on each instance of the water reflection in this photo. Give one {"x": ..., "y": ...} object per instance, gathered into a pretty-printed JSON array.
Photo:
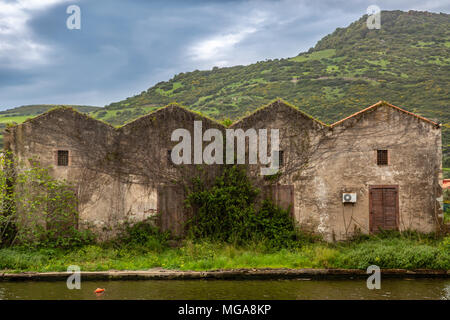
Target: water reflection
[{"x": 217, "y": 289}]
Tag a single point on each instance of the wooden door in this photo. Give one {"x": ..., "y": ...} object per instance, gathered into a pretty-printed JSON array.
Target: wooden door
[
  {"x": 282, "y": 196},
  {"x": 171, "y": 209},
  {"x": 383, "y": 203}
]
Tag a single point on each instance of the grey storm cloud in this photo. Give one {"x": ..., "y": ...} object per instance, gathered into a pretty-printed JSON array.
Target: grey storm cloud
[{"x": 124, "y": 47}]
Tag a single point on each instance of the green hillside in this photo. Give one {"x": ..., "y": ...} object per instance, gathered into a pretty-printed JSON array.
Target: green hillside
[{"x": 406, "y": 62}]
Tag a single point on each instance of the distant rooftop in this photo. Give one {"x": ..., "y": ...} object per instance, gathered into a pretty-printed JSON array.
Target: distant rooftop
[{"x": 446, "y": 184}]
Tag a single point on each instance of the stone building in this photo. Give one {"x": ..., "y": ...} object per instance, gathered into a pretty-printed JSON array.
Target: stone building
[{"x": 377, "y": 169}]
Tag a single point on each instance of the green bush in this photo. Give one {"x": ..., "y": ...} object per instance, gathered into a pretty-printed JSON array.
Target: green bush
[
  {"x": 275, "y": 225},
  {"x": 393, "y": 253},
  {"x": 21, "y": 259},
  {"x": 447, "y": 215},
  {"x": 143, "y": 235},
  {"x": 36, "y": 209},
  {"x": 445, "y": 244},
  {"x": 226, "y": 212}
]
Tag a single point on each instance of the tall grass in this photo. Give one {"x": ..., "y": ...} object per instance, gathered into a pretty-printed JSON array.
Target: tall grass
[{"x": 386, "y": 252}]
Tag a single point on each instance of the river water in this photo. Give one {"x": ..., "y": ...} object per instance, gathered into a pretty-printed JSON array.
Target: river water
[{"x": 437, "y": 289}]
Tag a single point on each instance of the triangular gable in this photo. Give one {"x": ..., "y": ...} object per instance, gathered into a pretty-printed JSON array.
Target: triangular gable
[
  {"x": 64, "y": 111},
  {"x": 161, "y": 112},
  {"x": 279, "y": 103},
  {"x": 379, "y": 104}
]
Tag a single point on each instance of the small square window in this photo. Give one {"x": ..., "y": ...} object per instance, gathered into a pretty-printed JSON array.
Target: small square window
[
  {"x": 63, "y": 158},
  {"x": 280, "y": 157},
  {"x": 382, "y": 157}
]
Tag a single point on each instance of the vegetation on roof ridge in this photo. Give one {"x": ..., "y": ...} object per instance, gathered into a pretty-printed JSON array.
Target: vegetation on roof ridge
[
  {"x": 68, "y": 108},
  {"x": 274, "y": 101},
  {"x": 387, "y": 104},
  {"x": 270, "y": 104},
  {"x": 172, "y": 104},
  {"x": 406, "y": 62}
]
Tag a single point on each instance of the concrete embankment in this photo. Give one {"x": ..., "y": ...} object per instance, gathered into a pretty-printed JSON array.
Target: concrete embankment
[{"x": 235, "y": 274}]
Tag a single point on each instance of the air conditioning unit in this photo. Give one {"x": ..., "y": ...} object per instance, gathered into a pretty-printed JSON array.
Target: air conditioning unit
[{"x": 349, "y": 197}]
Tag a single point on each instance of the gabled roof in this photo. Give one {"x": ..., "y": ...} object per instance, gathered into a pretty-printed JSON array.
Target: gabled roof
[
  {"x": 384, "y": 103},
  {"x": 161, "y": 111},
  {"x": 277, "y": 103},
  {"x": 274, "y": 104},
  {"x": 64, "y": 110}
]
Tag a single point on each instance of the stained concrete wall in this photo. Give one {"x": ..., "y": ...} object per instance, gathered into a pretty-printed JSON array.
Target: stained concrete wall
[
  {"x": 89, "y": 143},
  {"x": 144, "y": 151},
  {"x": 322, "y": 162},
  {"x": 121, "y": 173},
  {"x": 116, "y": 172},
  {"x": 302, "y": 140},
  {"x": 414, "y": 165}
]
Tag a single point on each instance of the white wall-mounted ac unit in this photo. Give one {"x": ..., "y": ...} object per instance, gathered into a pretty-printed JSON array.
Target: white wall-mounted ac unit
[{"x": 349, "y": 197}]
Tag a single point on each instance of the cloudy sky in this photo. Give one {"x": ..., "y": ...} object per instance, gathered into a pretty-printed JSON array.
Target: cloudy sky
[{"x": 125, "y": 47}]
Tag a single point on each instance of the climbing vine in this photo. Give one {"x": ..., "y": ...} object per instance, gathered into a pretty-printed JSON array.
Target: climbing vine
[
  {"x": 228, "y": 212},
  {"x": 36, "y": 209}
]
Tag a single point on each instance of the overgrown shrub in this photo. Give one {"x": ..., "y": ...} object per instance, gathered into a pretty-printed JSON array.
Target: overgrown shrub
[
  {"x": 393, "y": 253},
  {"x": 445, "y": 244},
  {"x": 226, "y": 212},
  {"x": 8, "y": 228},
  {"x": 447, "y": 215},
  {"x": 395, "y": 234},
  {"x": 143, "y": 234},
  {"x": 274, "y": 225},
  {"x": 37, "y": 210}
]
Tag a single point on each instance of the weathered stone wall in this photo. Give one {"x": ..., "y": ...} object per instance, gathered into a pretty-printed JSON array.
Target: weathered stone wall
[
  {"x": 322, "y": 162},
  {"x": 116, "y": 172},
  {"x": 414, "y": 165},
  {"x": 302, "y": 140},
  {"x": 125, "y": 174},
  {"x": 89, "y": 143},
  {"x": 145, "y": 164}
]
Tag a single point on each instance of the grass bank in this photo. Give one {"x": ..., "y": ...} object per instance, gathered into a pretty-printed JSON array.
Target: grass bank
[{"x": 393, "y": 251}]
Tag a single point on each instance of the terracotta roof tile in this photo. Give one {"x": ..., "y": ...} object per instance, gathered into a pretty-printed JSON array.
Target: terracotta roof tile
[{"x": 446, "y": 184}]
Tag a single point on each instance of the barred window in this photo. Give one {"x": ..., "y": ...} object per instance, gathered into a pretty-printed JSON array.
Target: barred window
[
  {"x": 382, "y": 157},
  {"x": 280, "y": 158},
  {"x": 169, "y": 156},
  {"x": 63, "y": 158}
]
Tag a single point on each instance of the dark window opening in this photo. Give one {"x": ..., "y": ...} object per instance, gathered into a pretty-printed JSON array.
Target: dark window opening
[
  {"x": 169, "y": 156},
  {"x": 63, "y": 158},
  {"x": 382, "y": 157},
  {"x": 280, "y": 158}
]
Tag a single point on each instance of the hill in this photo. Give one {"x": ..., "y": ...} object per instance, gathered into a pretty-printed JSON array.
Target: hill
[
  {"x": 35, "y": 109},
  {"x": 406, "y": 62}
]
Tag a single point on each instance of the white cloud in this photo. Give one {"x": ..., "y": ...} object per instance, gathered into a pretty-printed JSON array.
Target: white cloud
[
  {"x": 259, "y": 29},
  {"x": 217, "y": 48},
  {"x": 254, "y": 30},
  {"x": 18, "y": 49}
]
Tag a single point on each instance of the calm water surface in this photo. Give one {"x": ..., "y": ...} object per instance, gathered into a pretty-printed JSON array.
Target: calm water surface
[{"x": 217, "y": 289}]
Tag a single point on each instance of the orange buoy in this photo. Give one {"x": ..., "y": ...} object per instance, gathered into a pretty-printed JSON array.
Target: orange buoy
[{"x": 99, "y": 290}]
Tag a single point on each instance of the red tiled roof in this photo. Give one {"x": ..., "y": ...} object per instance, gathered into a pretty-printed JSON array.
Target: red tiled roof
[{"x": 446, "y": 184}]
